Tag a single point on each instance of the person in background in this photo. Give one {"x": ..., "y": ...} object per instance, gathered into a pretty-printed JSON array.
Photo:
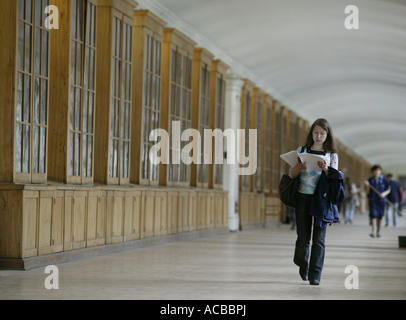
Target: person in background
[
  {"x": 402, "y": 200},
  {"x": 377, "y": 188},
  {"x": 392, "y": 209},
  {"x": 350, "y": 200}
]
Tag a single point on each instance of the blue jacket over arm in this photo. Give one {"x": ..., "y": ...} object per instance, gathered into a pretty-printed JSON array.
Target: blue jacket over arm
[{"x": 328, "y": 194}]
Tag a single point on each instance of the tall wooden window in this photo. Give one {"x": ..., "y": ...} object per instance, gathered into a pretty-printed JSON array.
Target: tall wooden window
[
  {"x": 177, "y": 71},
  {"x": 204, "y": 122},
  {"x": 114, "y": 91},
  {"x": 276, "y": 139},
  {"x": 293, "y": 132},
  {"x": 246, "y": 124},
  {"x": 152, "y": 104},
  {"x": 180, "y": 109},
  {"x": 259, "y": 127},
  {"x": 219, "y": 70},
  {"x": 32, "y": 92},
  {"x": 119, "y": 145},
  {"x": 283, "y": 165},
  {"x": 82, "y": 100},
  {"x": 267, "y": 145}
]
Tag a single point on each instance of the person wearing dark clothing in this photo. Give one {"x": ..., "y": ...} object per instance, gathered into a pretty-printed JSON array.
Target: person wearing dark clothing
[
  {"x": 314, "y": 209},
  {"x": 377, "y": 188},
  {"x": 392, "y": 209}
]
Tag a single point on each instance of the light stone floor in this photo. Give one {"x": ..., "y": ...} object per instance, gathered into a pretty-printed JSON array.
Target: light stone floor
[{"x": 249, "y": 265}]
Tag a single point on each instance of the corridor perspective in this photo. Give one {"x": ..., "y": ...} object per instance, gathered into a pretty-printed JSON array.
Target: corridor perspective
[
  {"x": 251, "y": 265},
  {"x": 141, "y": 148}
]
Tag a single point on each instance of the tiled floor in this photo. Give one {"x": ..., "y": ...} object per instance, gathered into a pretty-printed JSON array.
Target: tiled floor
[{"x": 255, "y": 264}]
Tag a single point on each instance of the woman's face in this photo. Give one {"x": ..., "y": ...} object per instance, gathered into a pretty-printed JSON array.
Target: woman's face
[{"x": 319, "y": 136}]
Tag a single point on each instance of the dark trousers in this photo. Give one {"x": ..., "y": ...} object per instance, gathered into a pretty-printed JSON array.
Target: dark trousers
[{"x": 304, "y": 226}]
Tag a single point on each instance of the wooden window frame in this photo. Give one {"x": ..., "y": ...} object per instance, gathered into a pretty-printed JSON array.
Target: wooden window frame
[
  {"x": 145, "y": 24},
  {"x": 267, "y": 134},
  {"x": 259, "y": 126},
  {"x": 120, "y": 132},
  {"x": 247, "y": 105},
  {"x": 175, "y": 41},
  {"x": 276, "y": 146},
  {"x": 151, "y": 105},
  {"x": 283, "y": 139},
  {"x": 114, "y": 105},
  {"x": 217, "y": 116},
  {"x": 202, "y": 61},
  {"x": 85, "y": 129},
  {"x": 30, "y": 73}
]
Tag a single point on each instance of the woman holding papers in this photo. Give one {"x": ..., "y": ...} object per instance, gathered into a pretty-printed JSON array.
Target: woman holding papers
[{"x": 320, "y": 142}]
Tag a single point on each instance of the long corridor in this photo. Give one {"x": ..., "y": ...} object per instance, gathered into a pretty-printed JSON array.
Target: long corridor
[{"x": 255, "y": 264}]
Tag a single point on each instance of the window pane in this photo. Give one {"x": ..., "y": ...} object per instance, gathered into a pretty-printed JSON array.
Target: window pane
[
  {"x": 38, "y": 14},
  {"x": 44, "y": 54},
  {"x": 89, "y": 156},
  {"x": 28, "y": 10},
  {"x": 42, "y": 150},
  {"x": 84, "y": 155},
  {"x": 36, "y": 100},
  {"x": 19, "y": 142},
  {"x": 35, "y": 155},
  {"x": 27, "y": 64},
  {"x": 26, "y": 149},
  {"x": 27, "y": 99},
  {"x": 91, "y": 108},
  {"x": 20, "y": 97},
  {"x": 37, "y": 54},
  {"x": 21, "y": 45},
  {"x": 44, "y": 100},
  {"x": 85, "y": 112},
  {"x": 70, "y": 156},
  {"x": 77, "y": 155},
  {"x": 21, "y": 8}
]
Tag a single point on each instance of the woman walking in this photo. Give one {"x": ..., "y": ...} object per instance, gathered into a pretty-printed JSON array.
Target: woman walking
[
  {"x": 377, "y": 188},
  {"x": 312, "y": 210}
]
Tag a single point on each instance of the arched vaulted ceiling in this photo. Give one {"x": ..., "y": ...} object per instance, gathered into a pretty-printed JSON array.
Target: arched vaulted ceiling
[{"x": 300, "y": 52}]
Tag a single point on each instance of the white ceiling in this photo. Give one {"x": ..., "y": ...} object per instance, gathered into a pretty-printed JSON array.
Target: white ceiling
[{"x": 300, "y": 52}]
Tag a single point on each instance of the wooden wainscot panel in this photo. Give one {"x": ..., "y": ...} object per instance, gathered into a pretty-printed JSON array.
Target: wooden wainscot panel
[
  {"x": 11, "y": 224},
  {"x": 68, "y": 225},
  {"x": 183, "y": 211},
  {"x": 218, "y": 210},
  {"x": 96, "y": 218},
  {"x": 58, "y": 214},
  {"x": 30, "y": 224},
  {"x": 164, "y": 215},
  {"x": 210, "y": 210},
  {"x": 172, "y": 212},
  {"x": 201, "y": 210},
  {"x": 132, "y": 215},
  {"x": 161, "y": 213},
  {"x": 115, "y": 216},
  {"x": 79, "y": 215},
  {"x": 45, "y": 221},
  {"x": 244, "y": 207},
  {"x": 192, "y": 212},
  {"x": 148, "y": 209}
]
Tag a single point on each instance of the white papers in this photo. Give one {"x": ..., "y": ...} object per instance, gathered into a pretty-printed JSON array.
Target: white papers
[{"x": 310, "y": 159}]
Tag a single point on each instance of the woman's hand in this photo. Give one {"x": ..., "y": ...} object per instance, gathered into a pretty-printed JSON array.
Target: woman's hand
[
  {"x": 323, "y": 166},
  {"x": 298, "y": 168}
]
